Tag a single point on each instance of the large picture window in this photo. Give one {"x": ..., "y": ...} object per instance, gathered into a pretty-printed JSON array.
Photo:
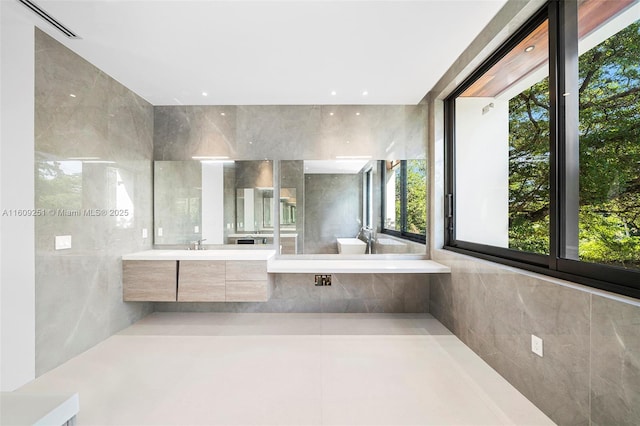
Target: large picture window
[
  {"x": 543, "y": 148},
  {"x": 404, "y": 207}
]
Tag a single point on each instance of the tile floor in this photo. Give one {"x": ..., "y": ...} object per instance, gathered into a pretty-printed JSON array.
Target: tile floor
[{"x": 287, "y": 369}]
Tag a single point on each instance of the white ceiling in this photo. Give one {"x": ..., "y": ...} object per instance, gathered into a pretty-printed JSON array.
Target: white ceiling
[{"x": 272, "y": 52}]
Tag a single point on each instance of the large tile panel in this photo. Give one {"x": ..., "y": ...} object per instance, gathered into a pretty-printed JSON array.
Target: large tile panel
[
  {"x": 495, "y": 310},
  {"x": 94, "y": 142},
  {"x": 615, "y": 362}
]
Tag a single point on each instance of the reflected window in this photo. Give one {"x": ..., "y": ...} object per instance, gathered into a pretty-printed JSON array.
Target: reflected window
[{"x": 405, "y": 198}]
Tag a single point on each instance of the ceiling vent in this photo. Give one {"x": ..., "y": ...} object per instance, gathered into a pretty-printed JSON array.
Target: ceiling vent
[{"x": 50, "y": 19}]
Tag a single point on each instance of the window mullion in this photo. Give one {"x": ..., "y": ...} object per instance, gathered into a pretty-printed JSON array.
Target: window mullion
[
  {"x": 564, "y": 161},
  {"x": 403, "y": 196}
]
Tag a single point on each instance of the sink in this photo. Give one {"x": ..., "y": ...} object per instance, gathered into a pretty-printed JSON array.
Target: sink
[{"x": 351, "y": 246}]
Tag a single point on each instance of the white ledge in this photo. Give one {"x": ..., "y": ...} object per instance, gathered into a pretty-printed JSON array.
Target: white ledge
[
  {"x": 377, "y": 266},
  {"x": 200, "y": 255},
  {"x": 21, "y": 408}
]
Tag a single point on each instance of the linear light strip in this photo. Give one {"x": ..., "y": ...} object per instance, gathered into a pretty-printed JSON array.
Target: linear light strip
[{"x": 50, "y": 19}]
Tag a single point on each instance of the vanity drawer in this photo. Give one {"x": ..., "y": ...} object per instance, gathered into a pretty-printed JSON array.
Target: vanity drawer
[
  {"x": 201, "y": 281},
  {"x": 247, "y": 291},
  {"x": 246, "y": 270},
  {"x": 149, "y": 280}
]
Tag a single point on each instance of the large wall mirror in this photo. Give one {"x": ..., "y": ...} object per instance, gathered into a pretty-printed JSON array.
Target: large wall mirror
[
  {"x": 216, "y": 202},
  {"x": 340, "y": 205},
  {"x": 324, "y": 206}
]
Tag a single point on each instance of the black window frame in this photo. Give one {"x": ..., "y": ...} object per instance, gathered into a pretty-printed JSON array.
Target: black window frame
[
  {"x": 403, "y": 233},
  {"x": 564, "y": 158},
  {"x": 367, "y": 212}
]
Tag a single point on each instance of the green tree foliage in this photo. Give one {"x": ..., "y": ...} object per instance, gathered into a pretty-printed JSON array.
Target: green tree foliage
[
  {"x": 609, "y": 94},
  {"x": 57, "y": 189},
  {"x": 416, "y": 196},
  {"x": 529, "y": 169}
]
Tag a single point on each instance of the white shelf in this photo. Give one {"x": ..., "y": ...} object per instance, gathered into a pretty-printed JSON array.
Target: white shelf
[
  {"x": 372, "y": 266},
  {"x": 38, "y": 409}
]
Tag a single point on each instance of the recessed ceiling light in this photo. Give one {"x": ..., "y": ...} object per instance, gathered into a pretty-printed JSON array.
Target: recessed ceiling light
[
  {"x": 72, "y": 95},
  {"x": 222, "y": 114},
  {"x": 330, "y": 113},
  {"x": 529, "y": 48},
  {"x": 205, "y": 94},
  {"x": 348, "y": 142},
  {"x": 357, "y": 113},
  {"x": 365, "y": 93},
  {"x": 250, "y": 142},
  {"x": 333, "y": 93}
]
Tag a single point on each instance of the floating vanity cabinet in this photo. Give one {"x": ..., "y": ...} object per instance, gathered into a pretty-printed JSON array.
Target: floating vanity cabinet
[
  {"x": 248, "y": 281},
  {"x": 149, "y": 280},
  {"x": 197, "y": 276},
  {"x": 201, "y": 281}
]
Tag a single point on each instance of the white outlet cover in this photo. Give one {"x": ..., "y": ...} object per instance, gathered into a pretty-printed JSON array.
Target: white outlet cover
[
  {"x": 536, "y": 345},
  {"x": 145, "y": 233},
  {"x": 63, "y": 242},
  {"x": 159, "y": 232},
  {"x": 196, "y": 229}
]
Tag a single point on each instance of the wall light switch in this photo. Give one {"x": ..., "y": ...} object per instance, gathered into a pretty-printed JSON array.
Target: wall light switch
[
  {"x": 145, "y": 233},
  {"x": 536, "y": 345},
  {"x": 159, "y": 232},
  {"x": 196, "y": 229},
  {"x": 63, "y": 242}
]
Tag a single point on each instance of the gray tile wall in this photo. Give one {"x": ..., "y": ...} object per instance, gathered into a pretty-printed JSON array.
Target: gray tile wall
[
  {"x": 290, "y": 132},
  {"x": 333, "y": 209},
  {"x": 590, "y": 372},
  {"x": 348, "y": 293},
  {"x": 79, "y": 290}
]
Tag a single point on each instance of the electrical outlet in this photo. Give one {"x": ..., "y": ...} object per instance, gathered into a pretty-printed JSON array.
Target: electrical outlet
[
  {"x": 536, "y": 345},
  {"x": 159, "y": 232},
  {"x": 63, "y": 242},
  {"x": 322, "y": 280},
  {"x": 145, "y": 233}
]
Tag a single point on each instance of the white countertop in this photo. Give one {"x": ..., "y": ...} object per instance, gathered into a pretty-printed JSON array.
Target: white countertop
[
  {"x": 201, "y": 255},
  {"x": 364, "y": 266},
  {"x": 250, "y": 235},
  {"x": 292, "y": 266},
  {"x": 18, "y": 408}
]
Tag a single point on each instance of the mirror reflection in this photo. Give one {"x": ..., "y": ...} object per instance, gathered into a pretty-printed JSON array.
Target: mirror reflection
[
  {"x": 340, "y": 205},
  {"x": 210, "y": 201},
  {"x": 96, "y": 190},
  {"x": 325, "y": 207},
  {"x": 255, "y": 209}
]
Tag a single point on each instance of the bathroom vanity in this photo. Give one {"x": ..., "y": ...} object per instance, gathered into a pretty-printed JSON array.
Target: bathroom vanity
[
  {"x": 197, "y": 276},
  {"x": 235, "y": 275}
]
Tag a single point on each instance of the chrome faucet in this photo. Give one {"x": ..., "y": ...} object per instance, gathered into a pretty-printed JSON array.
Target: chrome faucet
[
  {"x": 197, "y": 245},
  {"x": 368, "y": 234}
]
